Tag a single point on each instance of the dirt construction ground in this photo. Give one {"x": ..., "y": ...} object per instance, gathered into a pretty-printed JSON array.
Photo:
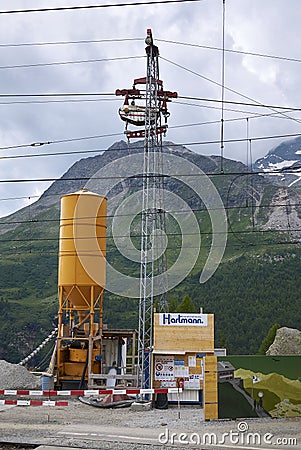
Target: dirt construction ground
[{"x": 82, "y": 426}]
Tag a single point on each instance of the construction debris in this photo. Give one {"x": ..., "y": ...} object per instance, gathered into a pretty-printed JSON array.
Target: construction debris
[{"x": 109, "y": 401}]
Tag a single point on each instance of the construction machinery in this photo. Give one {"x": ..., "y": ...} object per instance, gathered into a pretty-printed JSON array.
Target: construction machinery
[
  {"x": 82, "y": 245},
  {"x": 85, "y": 348}
]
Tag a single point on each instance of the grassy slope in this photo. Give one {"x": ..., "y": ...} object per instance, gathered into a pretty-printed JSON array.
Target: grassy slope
[{"x": 251, "y": 290}]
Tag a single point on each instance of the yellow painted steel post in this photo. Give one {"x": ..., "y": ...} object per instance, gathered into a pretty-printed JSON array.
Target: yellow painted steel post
[
  {"x": 100, "y": 314},
  {"x": 90, "y": 349},
  {"x": 60, "y": 332}
]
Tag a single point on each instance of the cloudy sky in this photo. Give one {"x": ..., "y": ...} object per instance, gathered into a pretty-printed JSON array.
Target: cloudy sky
[{"x": 269, "y": 27}]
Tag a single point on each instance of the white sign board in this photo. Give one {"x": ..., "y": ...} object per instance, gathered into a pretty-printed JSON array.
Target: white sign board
[
  {"x": 164, "y": 368},
  {"x": 183, "y": 320}
]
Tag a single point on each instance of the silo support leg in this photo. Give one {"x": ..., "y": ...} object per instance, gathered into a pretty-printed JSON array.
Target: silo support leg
[{"x": 92, "y": 294}]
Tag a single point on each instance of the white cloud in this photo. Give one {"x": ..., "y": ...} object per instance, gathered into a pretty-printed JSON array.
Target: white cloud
[{"x": 265, "y": 27}]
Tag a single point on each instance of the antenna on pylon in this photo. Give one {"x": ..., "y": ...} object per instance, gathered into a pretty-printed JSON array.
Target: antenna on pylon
[{"x": 134, "y": 108}]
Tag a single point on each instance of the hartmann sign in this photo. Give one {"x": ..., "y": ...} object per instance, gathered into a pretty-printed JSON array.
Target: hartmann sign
[{"x": 177, "y": 319}]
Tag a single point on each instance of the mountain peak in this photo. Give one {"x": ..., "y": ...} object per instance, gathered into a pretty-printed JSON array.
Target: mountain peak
[
  {"x": 81, "y": 171},
  {"x": 286, "y": 155}
]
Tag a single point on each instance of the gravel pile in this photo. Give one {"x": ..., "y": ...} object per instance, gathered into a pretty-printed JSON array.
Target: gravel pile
[{"x": 14, "y": 376}]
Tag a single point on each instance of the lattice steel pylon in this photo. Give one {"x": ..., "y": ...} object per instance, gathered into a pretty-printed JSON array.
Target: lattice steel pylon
[{"x": 153, "y": 263}]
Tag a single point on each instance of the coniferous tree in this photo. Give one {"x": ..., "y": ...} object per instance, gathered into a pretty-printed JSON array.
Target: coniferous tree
[
  {"x": 186, "y": 305},
  {"x": 269, "y": 339},
  {"x": 173, "y": 303}
]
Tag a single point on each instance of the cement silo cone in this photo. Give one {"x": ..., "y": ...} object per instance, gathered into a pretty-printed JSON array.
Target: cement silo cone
[{"x": 82, "y": 252}]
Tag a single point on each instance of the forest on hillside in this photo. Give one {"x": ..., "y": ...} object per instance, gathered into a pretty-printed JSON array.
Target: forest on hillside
[{"x": 247, "y": 295}]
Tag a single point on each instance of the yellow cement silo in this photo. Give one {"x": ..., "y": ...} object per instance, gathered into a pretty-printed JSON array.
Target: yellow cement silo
[
  {"x": 81, "y": 282},
  {"x": 82, "y": 247}
]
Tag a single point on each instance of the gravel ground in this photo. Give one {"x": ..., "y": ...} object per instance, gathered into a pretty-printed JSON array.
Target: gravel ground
[
  {"x": 13, "y": 447},
  {"x": 44, "y": 424},
  {"x": 87, "y": 427},
  {"x": 104, "y": 428}
]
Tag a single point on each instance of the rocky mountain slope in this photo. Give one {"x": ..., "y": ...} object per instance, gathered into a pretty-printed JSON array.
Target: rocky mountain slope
[
  {"x": 83, "y": 170},
  {"x": 273, "y": 207}
]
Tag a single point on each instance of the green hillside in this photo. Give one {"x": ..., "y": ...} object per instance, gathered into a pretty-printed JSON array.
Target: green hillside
[
  {"x": 255, "y": 286},
  {"x": 241, "y": 293}
]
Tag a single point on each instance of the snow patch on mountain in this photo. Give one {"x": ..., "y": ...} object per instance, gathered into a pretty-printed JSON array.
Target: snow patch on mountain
[
  {"x": 280, "y": 165},
  {"x": 285, "y": 156}
]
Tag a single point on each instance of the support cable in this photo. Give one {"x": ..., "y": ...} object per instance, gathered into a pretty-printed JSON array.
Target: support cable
[
  {"x": 256, "y": 103},
  {"x": 223, "y": 85},
  {"x": 112, "y": 5}
]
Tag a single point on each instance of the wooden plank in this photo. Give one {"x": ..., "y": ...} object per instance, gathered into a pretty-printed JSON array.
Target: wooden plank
[
  {"x": 210, "y": 383},
  {"x": 211, "y": 411},
  {"x": 210, "y": 377},
  {"x": 211, "y": 396},
  {"x": 96, "y": 376},
  {"x": 210, "y": 363}
]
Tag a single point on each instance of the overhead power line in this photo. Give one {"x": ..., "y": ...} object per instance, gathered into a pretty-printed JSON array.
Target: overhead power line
[
  {"x": 83, "y": 138},
  {"x": 293, "y": 170},
  {"x": 229, "y": 102},
  {"x": 61, "y": 101},
  {"x": 62, "y": 63},
  {"x": 176, "y": 212},
  {"x": 100, "y": 150},
  {"x": 60, "y": 141},
  {"x": 230, "y": 244},
  {"x": 112, "y": 40},
  {"x": 112, "y": 94},
  {"x": 226, "y": 88},
  {"x": 60, "y": 94},
  {"x": 111, "y": 5},
  {"x": 170, "y": 236},
  {"x": 249, "y": 114},
  {"x": 239, "y": 52},
  {"x": 83, "y": 41}
]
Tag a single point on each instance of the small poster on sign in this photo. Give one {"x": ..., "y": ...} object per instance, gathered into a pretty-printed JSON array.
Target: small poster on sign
[
  {"x": 168, "y": 384},
  {"x": 192, "y": 361},
  {"x": 181, "y": 371},
  {"x": 179, "y": 362},
  {"x": 192, "y": 382},
  {"x": 164, "y": 368}
]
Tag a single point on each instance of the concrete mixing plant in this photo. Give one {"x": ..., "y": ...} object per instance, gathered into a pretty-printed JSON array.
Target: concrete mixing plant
[
  {"x": 85, "y": 348},
  {"x": 82, "y": 246},
  {"x": 170, "y": 351}
]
